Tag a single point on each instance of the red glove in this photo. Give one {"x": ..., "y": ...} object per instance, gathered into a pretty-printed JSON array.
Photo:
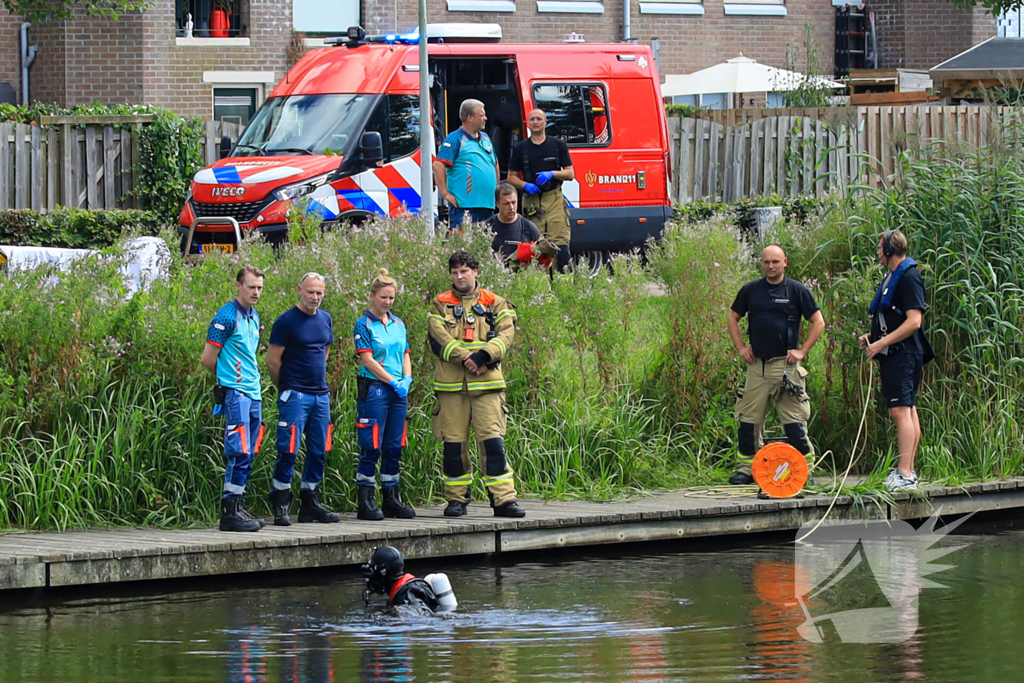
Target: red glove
[
  {"x": 544, "y": 261},
  {"x": 524, "y": 252}
]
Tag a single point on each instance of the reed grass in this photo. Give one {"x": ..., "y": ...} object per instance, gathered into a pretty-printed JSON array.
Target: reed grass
[{"x": 105, "y": 413}]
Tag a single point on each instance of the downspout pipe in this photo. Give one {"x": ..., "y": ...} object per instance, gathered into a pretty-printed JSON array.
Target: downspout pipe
[
  {"x": 28, "y": 55},
  {"x": 626, "y": 37}
]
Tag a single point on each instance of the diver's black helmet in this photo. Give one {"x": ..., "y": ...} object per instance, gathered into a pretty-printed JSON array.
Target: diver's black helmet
[{"x": 384, "y": 568}]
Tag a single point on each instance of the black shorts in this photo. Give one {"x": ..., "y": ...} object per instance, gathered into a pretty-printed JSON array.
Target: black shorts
[{"x": 901, "y": 377}]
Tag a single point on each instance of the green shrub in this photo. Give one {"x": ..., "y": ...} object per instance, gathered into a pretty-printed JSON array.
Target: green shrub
[{"x": 74, "y": 228}]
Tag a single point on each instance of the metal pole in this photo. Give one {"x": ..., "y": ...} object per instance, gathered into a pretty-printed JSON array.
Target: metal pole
[
  {"x": 626, "y": 35},
  {"x": 427, "y": 203}
]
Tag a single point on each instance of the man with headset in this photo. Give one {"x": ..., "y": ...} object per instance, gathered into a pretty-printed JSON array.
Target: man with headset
[{"x": 898, "y": 342}]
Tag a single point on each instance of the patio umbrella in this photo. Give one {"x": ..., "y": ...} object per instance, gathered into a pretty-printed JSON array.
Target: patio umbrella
[{"x": 741, "y": 75}]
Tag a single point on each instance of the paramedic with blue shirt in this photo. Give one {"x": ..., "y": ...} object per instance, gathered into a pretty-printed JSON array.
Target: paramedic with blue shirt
[
  {"x": 230, "y": 354},
  {"x": 297, "y": 360},
  {"x": 384, "y": 380},
  {"x": 466, "y": 168}
]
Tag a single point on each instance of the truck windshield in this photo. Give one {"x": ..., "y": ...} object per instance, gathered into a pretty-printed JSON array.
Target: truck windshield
[{"x": 305, "y": 124}]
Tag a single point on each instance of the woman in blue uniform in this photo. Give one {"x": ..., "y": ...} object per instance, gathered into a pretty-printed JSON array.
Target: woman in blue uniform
[{"x": 383, "y": 387}]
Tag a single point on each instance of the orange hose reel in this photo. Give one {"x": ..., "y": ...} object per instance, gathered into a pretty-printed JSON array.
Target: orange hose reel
[{"x": 780, "y": 470}]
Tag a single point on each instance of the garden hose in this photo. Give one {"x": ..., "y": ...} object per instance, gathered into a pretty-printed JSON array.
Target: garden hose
[{"x": 749, "y": 490}]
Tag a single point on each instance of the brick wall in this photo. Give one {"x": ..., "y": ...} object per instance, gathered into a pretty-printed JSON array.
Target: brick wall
[
  {"x": 93, "y": 45},
  {"x": 688, "y": 43},
  {"x": 10, "y": 50},
  {"x": 919, "y": 34},
  {"x": 173, "y": 74},
  {"x": 48, "y": 76}
]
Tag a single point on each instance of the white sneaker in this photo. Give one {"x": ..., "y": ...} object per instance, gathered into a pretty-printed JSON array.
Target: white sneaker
[
  {"x": 891, "y": 480},
  {"x": 902, "y": 483}
]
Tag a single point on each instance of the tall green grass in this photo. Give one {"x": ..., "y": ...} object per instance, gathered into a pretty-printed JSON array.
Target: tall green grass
[{"x": 105, "y": 412}]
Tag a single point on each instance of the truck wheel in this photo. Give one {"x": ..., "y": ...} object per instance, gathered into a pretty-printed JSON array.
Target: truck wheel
[{"x": 590, "y": 262}]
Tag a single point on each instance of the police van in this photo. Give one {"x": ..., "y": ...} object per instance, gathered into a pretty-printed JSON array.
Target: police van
[{"x": 315, "y": 138}]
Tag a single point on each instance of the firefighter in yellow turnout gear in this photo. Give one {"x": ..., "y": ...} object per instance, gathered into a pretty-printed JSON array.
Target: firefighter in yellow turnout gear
[{"x": 470, "y": 331}]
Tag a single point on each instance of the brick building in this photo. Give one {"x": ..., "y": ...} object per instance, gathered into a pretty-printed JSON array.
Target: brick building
[{"x": 149, "y": 57}]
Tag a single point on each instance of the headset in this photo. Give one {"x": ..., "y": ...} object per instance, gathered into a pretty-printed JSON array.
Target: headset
[{"x": 888, "y": 250}]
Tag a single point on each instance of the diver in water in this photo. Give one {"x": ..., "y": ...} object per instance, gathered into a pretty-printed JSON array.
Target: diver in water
[{"x": 385, "y": 574}]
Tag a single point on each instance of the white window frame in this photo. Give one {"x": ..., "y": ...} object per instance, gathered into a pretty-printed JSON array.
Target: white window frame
[
  {"x": 481, "y": 5},
  {"x": 260, "y": 89},
  {"x": 571, "y": 6},
  {"x": 756, "y": 8},
  {"x": 690, "y": 7}
]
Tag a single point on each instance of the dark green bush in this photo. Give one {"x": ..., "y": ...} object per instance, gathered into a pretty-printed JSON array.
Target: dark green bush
[
  {"x": 74, "y": 228},
  {"x": 798, "y": 209}
]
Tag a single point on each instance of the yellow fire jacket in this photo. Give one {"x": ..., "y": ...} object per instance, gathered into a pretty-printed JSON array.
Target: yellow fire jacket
[{"x": 453, "y": 338}]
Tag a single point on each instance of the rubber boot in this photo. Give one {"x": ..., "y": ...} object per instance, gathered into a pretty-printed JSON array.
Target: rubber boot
[
  {"x": 231, "y": 518},
  {"x": 392, "y": 505},
  {"x": 368, "y": 504},
  {"x": 509, "y": 509},
  {"x": 310, "y": 509},
  {"x": 281, "y": 503}
]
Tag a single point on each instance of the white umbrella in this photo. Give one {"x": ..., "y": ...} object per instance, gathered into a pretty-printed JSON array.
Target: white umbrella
[{"x": 741, "y": 75}]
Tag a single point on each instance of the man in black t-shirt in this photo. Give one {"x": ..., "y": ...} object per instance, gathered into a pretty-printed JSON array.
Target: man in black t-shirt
[
  {"x": 515, "y": 237},
  {"x": 775, "y": 305},
  {"x": 538, "y": 168},
  {"x": 897, "y": 340}
]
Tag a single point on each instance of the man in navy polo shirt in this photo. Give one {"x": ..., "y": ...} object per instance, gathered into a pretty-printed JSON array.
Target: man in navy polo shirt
[
  {"x": 230, "y": 354},
  {"x": 297, "y": 360},
  {"x": 466, "y": 169}
]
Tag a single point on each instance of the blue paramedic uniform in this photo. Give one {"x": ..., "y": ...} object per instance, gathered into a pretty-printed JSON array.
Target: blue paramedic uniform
[
  {"x": 304, "y": 399},
  {"x": 237, "y": 333},
  {"x": 381, "y": 421}
]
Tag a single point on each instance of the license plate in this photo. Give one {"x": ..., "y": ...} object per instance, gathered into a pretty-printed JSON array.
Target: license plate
[{"x": 222, "y": 248}]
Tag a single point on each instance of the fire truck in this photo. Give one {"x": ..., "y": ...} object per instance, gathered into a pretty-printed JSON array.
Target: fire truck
[{"x": 342, "y": 131}]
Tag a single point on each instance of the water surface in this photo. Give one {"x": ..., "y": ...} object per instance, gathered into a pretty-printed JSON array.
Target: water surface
[{"x": 689, "y": 614}]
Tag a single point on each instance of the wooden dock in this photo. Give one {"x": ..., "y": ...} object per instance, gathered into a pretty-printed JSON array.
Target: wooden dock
[{"x": 82, "y": 558}]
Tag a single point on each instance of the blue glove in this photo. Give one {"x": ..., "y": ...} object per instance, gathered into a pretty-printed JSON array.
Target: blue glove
[
  {"x": 545, "y": 177},
  {"x": 531, "y": 188},
  {"x": 407, "y": 383},
  {"x": 399, "y": 387}
]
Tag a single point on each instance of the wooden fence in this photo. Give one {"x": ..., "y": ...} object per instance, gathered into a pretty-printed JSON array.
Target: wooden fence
[
  {"x": 730, "y": 154},
  {"x": 82, "y": 162}
]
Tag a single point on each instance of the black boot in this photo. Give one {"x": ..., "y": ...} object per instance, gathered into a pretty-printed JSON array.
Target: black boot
[
  {"x": 245, "y": 514},
  {"x": 281, "y": 503},
  {"x": 368, "y": 504},
  {"x": 455, "y": 509},
  {"x": 509, "y": 509},
  {"x": 310, "y": 509},
  {"x": 741, "y": 479},
  {"x": 231, "y": 518},
  {"x": 392, "y": 505}
]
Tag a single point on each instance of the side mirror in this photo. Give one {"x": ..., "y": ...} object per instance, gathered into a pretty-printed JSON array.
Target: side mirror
[
  {"x": 225, "y": 146},
  {"x": 371, "y": 149}
]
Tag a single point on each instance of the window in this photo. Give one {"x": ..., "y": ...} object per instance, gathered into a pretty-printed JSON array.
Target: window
[
  {"x": 305, "y": 124},
  {"x": 481, "y": 6},
  {"x": 571, "y": 6},
  {"x": 672, "y": 7},
  {"x": 211, "y": 18},
  {"x": 577, "y": 113},
  {"x": 325, "y": 16},
  {"x": 771, "y": 8},
  {"x": 235, "y": 105},
  {"x": 397, "y": 119}
]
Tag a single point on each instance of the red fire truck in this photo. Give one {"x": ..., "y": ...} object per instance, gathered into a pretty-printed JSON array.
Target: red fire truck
[{"x": 309, "y": 139}]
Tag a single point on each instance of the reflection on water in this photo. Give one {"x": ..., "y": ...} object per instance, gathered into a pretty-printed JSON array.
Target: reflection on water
[{"x": 727, "y": 615}]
